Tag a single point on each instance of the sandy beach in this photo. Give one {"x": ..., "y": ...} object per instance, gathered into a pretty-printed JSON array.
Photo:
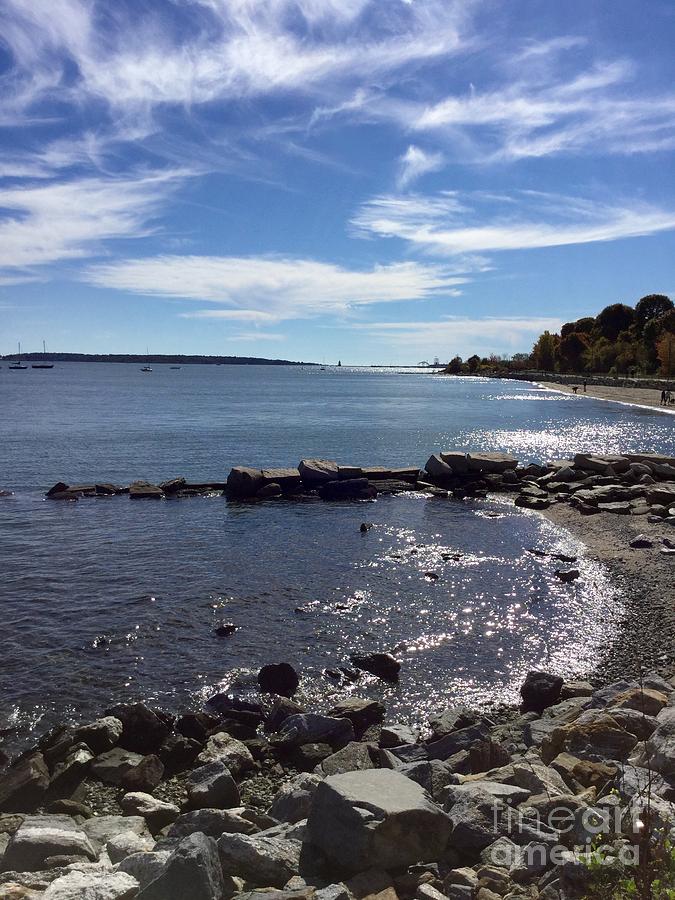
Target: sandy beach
[{"x": 637, "y": 396}]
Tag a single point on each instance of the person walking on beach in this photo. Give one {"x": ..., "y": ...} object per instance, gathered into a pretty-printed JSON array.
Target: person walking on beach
[{"x": 585, "y": 382}]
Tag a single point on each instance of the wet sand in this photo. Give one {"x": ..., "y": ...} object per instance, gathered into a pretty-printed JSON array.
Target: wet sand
[
  {"x": 649, "y": 397},
  {"x": 645, "y": 578}
]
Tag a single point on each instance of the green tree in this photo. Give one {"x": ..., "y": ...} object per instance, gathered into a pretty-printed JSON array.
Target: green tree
[
  {"x": 614, "y": 319},
  {"x": 473, "y": 362},
  {"x": 544, "y": 351},
  {"x": 572, "y": 351},
  {"x": 454, "y": 367},
  {"x": 651, "y": 307}
]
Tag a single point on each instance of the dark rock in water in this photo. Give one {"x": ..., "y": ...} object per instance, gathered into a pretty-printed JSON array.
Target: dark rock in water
[
  {"x": 109, "y": 490},
  {"x": 288, "y": 479},
  {"x": 196, "y": 726},
  {"x": 24, "y": 784},
  {"x": 278, "y": 678},
  {"x": 569, "y": 575},
  {"x": 225, "y": 629},
  {"x": 61, "y": 491},
  {"x": 243, "y": 482},
  {"x": 539, "y": 691},
  {"x": 173, "y": 486},
  {"x": 316, "y": 471},
  {"x": 143, "y": 490},
  {"x": 245, "y": 711},
  {"x": 431, "y": 576},
  {"x": 348, "y": 472},
  {"x": 527, "y": 502},
  {"x": 365, "y": 526},
  {"x": 383, "y": 665},
  {"x": 143, "y": 729},
  {"x": 282, "y": 708},
  {"x": 4, "y": 493},
  {"x": 349, "y": 489},
  {"x": 269, "y": 491}
]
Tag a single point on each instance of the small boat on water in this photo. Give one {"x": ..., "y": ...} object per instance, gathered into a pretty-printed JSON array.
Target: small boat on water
[
  {"x": 18, "y": 365},
  {"x": 147, "y": 368},
  {"x": 43, "y": 365}
]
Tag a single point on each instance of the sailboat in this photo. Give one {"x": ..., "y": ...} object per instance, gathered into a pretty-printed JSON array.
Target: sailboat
[
  {"x": 146, "y": 368},
  {"x": 44, "y": 364},
  {"x": 18, "y": 364}
]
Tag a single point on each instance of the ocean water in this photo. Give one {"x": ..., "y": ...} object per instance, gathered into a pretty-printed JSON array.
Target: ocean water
[{"x": 107, "y": 599}]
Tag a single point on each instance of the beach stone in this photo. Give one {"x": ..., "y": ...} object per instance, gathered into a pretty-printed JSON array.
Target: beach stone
[
  {"x": 40, "y": 837},
  {"x": 93, "y": 886},
  {"x": 196, "y": 726},
  {"x": 157, "y": 813},
  {"x": 584, "y": 772},
  {"x": 310, "y": 728},
  {"x": 456, "y": 459},
  {"x": 462, "y": 739},
  {"x": 244, "y": 482},
  {"x": 378, "y": 818},
  {"x": 102, "y": 829},
  {"x": 125, "y": 844},
  {"x": 143, "y": 729},
  {"x": 193, "y": 870},
  {"x": 279, "y": 678},
  {"x": 236, "y": 755},
  {"x": 287, "y": 479},
  {"x": 145, "y": 776},
  {"x": 144, "y": 866},
  {"x": 247, "y": 712},
  {"x": 71, "y": 770},
  {"x": 645, "y": 700},
  {"x": 491, "y": 462},
  {"x": 452, "y": 719},
  {"x": 293, "y": 800},
  {"x": 101, "y": 735},
  {"x": 212, "y": 786},
  {"x": 352, "y": 758},
  {"x": 110, "y": 766},
  {"x": 395, "y": 735},
  {"x": 383, "y": 665},
  {"x": 212, "y": 822},
  {"x": 178, "y": 753},
  {"x": 437, "y": 467},
  {"x": 433, "y": 775},
  {"x": 602, "y": 738},
  {"x": 361, "y": 713},
  {"x": 23, "y": 785},
  {"x": 308, "y": 757},
  {"x": 269, "y": 491},
  {"x": 317, "y": 471},
  {"x": 143, "y": 490},
  {"x": 282, "y": 708},
  {"x": 525, "y": 501},
  {"x": 262, "y": 860},
  {"x": 351, "y": 489},
  {"x": 576, "y": 689}
]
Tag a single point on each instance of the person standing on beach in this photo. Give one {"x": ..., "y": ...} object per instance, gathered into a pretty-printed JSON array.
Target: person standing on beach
[
  {"x": 585, "y": 382},
  {"x": 663, "y": 398}
]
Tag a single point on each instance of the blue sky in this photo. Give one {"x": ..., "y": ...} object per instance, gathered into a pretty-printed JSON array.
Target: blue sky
[{"x": 370, "y": 180}]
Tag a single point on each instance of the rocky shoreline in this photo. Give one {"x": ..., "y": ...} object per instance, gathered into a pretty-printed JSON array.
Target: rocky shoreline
[{"x": 260, "y": 799}]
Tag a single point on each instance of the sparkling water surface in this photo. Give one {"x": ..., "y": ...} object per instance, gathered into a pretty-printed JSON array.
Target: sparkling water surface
[{"x": 108, "y": 599}]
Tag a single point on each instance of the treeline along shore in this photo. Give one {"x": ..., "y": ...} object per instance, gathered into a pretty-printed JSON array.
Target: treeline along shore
[
  {"x": 261, "y": 798},
  {"x": 156, "y": 358}
]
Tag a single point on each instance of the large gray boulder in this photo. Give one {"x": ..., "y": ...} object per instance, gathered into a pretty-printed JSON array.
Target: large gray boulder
[
  {"x": 227, "y": 749},
  {"x": 352, "y": 758},
  {"x": 244, "y": 482},
  {"x": 193, "y": 870},
  {"x": 293, "y": 800},
  {"x": 92, "y": 886},
  {"x": 262, "y": 860},
  {"x": 144, "y": 867},
  {"x": 317, "y": 471},
  {"x": 312, "y": 728},
  {"x": 24, "y": 784},
  {"x": 437, "y": 468},
  {"x": 39, "y": 837},
  {"x": 495, "y": 463},
  {"x": 375, "y": 819},
  {"x": 102, "y": 829},
  {"x": 101, "y": 735},
  {"x": 157, "y": 813},
  {"x": 212, "y": 786}
]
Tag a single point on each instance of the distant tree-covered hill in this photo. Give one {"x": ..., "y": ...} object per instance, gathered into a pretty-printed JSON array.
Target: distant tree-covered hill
[{"x": 156, "y": 359}]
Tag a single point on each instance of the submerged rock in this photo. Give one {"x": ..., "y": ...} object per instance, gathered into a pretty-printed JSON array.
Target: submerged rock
[
  {"x": 279, "y": 678},
  {"x": 383, "y": 665}
]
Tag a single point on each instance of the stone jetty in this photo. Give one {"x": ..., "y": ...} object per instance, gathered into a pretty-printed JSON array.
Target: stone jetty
[
  {"x": 261, "y": 799},
  {"x": 637, "y": 484}
]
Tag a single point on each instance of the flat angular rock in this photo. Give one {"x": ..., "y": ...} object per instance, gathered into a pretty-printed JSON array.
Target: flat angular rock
[
  {"x": 244, "y": 482},
  {"x": 317, "y": 471},
  {"x": 375, "y": 819},
  {"x": 110, "y": 767},
  {"x": 127, "y": 843},
  {"x": 491, "y": 462},
  {"x": 93, "y": 886},
  {"x": 349, "y": 489},
  {"x": 212, "y": 822},
  {"x": 451, "y": 719},
  {"x": 236, "y": 755},
  {"x": 102, "y": 829},
  {"x": 143, "y": 490},
  {"x": 145, "y": 776},
  {"x": 39, "y": 837},
  {"x": 263, "y": 861},
  {"x": 287, "y": 479},
  {"x": 309, "y": 728},
  {"x": 437, "y": 467},
  {"x": 192, "y": 871},
  {"x": 212, "y": 786},
  {"x": 101, "y": 735},
  {"x": 433, "y": 775},
  {"x": 361, "y": 713},
  {"x": 452, "y": 743},
  {"x": 396, "y": 734},
  {"x": 293, "y": 800},
  {"x": 457, "y": 460},
  {"x": 157, "y": 813},
  {"x": 352, "y": 758},
  {"x": 144, "y": 867}
]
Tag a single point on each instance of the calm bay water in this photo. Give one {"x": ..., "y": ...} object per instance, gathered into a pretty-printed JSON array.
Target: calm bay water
[{"x": 106, "y": 599}]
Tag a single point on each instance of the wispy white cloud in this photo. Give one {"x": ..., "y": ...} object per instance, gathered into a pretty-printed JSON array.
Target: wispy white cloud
[
  {"x": 464, "y": 335},
  {"x": 264, "y": 289},
  {"x": 47, "y": 222},
  {"x": 450, "y": 225},
  {"x": 416, "y": 162}
]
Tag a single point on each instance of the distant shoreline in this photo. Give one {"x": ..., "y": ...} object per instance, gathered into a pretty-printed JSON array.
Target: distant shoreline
[{"x": 154, "y": 359}]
